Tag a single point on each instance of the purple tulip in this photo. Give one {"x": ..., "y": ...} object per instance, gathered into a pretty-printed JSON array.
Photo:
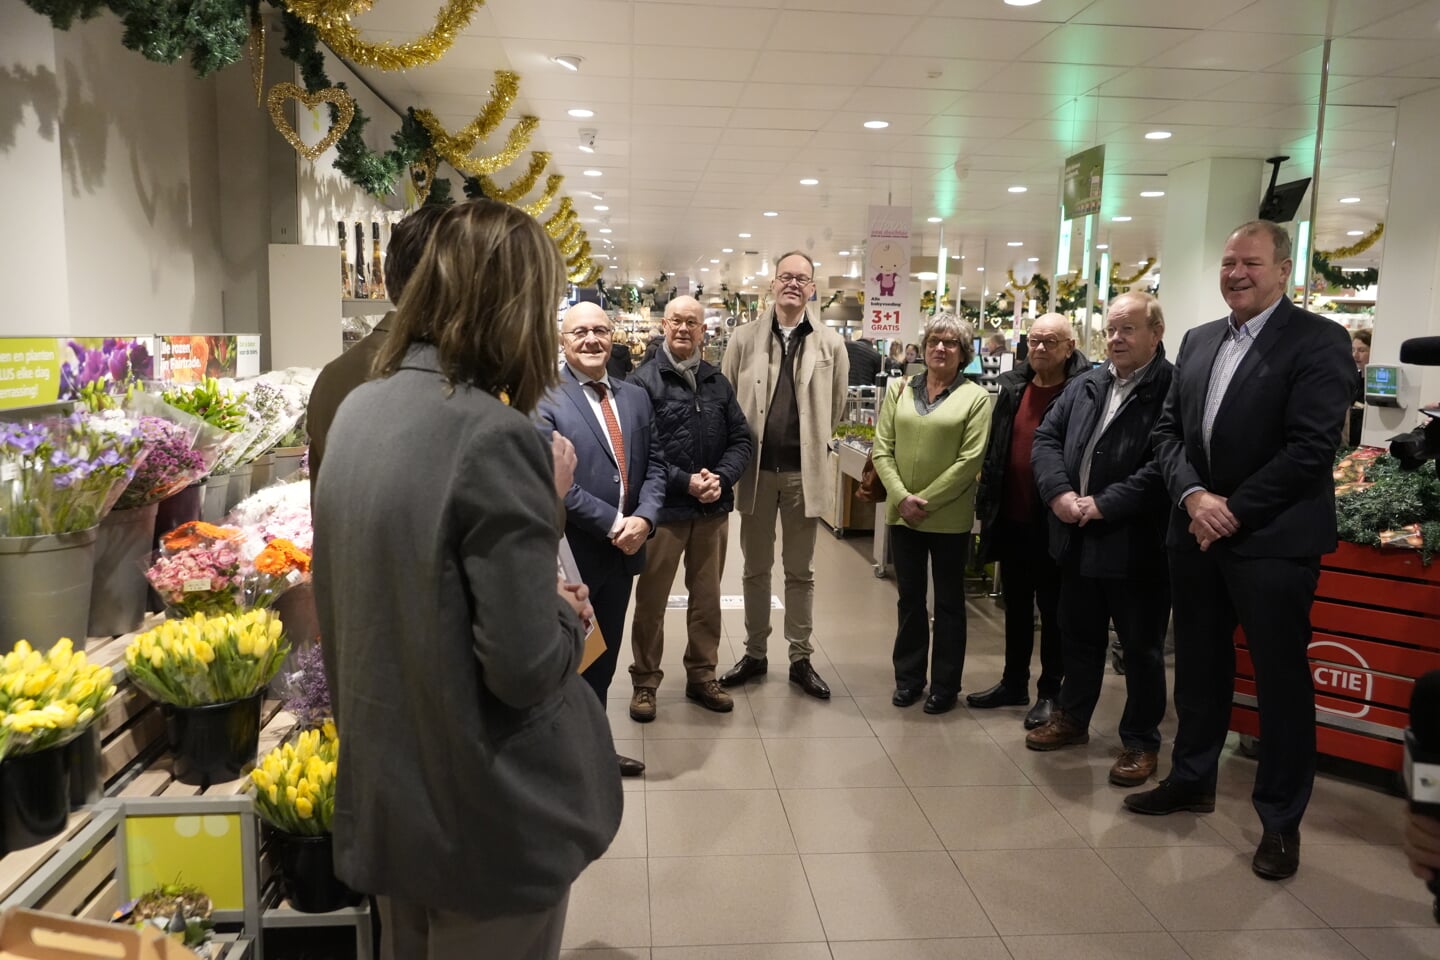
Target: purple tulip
[
  {"x": 93, "y": 369},
  {"x": 119, "y": 362},
  {"x": 141, "y": 364}
]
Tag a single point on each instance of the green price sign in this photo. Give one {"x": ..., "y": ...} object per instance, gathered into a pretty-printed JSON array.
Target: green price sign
[{"x": 1084, "y": 177}]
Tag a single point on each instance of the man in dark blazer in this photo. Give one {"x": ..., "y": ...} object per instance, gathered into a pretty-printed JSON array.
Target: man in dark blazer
[
  {"x": 614, "y": 504},
  {"x": 1246, "y": 441}
]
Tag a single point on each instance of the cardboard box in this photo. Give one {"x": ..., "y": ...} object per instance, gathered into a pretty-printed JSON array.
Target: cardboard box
[{"x": 32, "y": 935}]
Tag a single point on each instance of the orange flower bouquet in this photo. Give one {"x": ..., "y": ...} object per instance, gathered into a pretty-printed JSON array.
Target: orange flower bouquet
[{"x": 280, "y": 566}]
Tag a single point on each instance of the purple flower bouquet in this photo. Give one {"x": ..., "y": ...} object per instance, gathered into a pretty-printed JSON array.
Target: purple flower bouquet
[
  {"x": 62, "y": 474},
  {"x": 170, "y": 466}
]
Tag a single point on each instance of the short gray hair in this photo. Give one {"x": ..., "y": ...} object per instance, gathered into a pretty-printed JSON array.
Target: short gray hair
[
  {"x": 796, "y": 253},
  {"x": 1148, "y": 302},
  {"x": 943, "y": 324},
  {"x": 1278, "y": 236}
]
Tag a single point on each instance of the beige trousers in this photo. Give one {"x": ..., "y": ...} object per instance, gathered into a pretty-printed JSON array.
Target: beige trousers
[
  {"x": 412, "y": 932},
  {"x": 702, "y": 543},
  {"x": 783, "y": 494}
]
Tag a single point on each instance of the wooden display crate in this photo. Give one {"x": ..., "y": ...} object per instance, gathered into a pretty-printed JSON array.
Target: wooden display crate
[{"x": 1376, "y": 626}]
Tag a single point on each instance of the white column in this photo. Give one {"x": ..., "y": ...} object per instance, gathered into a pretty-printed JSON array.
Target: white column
[
  {"x": 1205, "y": 201},
  {"x": 1408, "y": 302},
  {"x": 32, "y": 247}
]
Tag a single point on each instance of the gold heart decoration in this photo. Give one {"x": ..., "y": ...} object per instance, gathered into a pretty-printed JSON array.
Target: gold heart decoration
[
  {"x": 341, "y": 100},
  {"x": 422, "y": 174}
]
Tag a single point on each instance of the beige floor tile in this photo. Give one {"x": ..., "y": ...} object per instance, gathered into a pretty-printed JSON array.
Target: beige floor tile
[
  {"x": 630, "y": 840},
  {"x": 1019, "y": 890},
  {"x": 808, "y": 717},
  {"x": 970, "y": 948},
  {"x": 1207, "y": 888},
  {"x": 1268, "y": 945},
  {"x": 858, "y": 820},
  {"x": 879, "y": 896},
  {"x": 1400, "y": 943},
  {"x": 1235, "y": 819},
  {"x": 617, "y": 711},
  {"x": 609, "y": 906},
  {"x": 746, "y": 951},
  {"x": 1371, "y": 814},
  {"x": 1001, "y": 722},
  {"x": 1349, "y": 886},
  {"x": 830, "y": 762},
  {"x": 633, "y": 953},
  {"x": 888, "y": 720},
  {"x": 697, "y": 900},
  {"x": 1087, "y": 763},
  {"x": 776, "y": 684},
  {"x": 1097, "y": 812},
  {"x": 680, "y": 719},
  {"x": 865, "y": 677},
  {"x": 995, "y": 818},
  {"x": 635, "y": 750},
  {"x": 699, "y": 823},
  {"x": 952, "y": 762},
  {"x": 706, "y": 765},
  {"x": 1096, "y": 946}
]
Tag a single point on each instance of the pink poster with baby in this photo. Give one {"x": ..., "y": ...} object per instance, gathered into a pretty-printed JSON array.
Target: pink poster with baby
[{"x": 887, "y": 271}]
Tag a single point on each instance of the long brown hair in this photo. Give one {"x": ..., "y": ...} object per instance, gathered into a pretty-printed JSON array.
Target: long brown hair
[{"x": 485, "y": 293}]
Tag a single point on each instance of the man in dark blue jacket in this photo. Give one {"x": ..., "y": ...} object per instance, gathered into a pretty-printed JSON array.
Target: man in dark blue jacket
[
  {"x": 1095, "y": 468},
  {"x": 706, "y": 441}
]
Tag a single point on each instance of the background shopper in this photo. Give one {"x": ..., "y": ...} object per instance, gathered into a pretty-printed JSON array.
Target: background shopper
[
  {"x": 929, "y": 441},
  {"x": 477, "y": 772}
]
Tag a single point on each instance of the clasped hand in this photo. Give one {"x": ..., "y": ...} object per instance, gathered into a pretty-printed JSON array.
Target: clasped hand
[
  {"x": 705, "y": 486},
  {"x": 912, "y": 509},
  {"x": 631, "y": 536},
  {"x": 1071, "y": 508},
  {"x": 577, "y": 595},
  {"x": 1210, "y": 518}
]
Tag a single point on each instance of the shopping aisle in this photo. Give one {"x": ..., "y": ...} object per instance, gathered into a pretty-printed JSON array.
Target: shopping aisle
[{"x": 793, "y": 829}]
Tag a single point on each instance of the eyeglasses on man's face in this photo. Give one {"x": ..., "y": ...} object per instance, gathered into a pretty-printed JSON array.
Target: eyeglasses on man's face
[
  {"x": 581, "y": 334},
  {"x": 687, "y": 324},
  {"x": 1048, "y": 343},
  {"x": 948, "y": 344},
  {"x": 797, "y": 279}
]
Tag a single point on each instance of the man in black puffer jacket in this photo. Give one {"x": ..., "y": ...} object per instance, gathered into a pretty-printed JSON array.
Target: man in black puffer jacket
[{"x": 706, "y": 441}]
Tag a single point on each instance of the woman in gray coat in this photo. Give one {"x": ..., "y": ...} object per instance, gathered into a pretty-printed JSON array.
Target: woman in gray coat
[{"x": 477, "y": 774}]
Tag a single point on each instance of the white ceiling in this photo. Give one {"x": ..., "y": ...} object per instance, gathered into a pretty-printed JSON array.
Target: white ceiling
[{"x": 708, "y": 115}]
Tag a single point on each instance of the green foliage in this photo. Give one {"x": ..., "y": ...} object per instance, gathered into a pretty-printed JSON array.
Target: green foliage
[
  {"x": 1343, "y": 278},
  {"x": 62, "y": 13},
  {"x": 1395, "y": 499},
  {"x": 440, "y": 193}
]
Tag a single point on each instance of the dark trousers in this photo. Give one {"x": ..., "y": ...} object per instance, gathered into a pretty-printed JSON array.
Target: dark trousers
[
  {"x": 610, "y": 596},
  {"x": 1029, "y": 578},
  {"x": 1140, "y": 609},
  {"x": 944, "y": 554},
  {"x": 1270, "y": 597}
]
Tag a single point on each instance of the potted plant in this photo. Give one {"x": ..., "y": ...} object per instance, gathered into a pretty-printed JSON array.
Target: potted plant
[
  {"x": 294, "y": 792},
  {"x": 48, "y": 706},
  {"x": 209, "y": 674}
]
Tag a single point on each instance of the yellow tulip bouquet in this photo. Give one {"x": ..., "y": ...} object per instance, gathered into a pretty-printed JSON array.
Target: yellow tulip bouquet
[
  {"x": 48, "y": 698},
  {"x": 294, "y": 786},
  {"x": 202, "y": 660}
]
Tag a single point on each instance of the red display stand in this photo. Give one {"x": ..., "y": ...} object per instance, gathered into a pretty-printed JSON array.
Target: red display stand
[{"x": 1377, "y": 628}]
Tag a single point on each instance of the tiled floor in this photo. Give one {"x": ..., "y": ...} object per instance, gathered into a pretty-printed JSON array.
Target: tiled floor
[{"x": 793, "y": 829}]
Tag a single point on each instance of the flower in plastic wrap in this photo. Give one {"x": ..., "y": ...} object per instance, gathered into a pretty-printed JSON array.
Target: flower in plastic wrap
[
  {"x": 63, "y": 474},
  {"x": 201, "y": 660},
  {"x": 48, "y": 698},
  {"x": 294, "y": 785},
  {"x": 280, "y": 511},
  {"x": 278, "y": 567},
  {"x": 198, "y": 569},
  {"x": 171, "y": 465}
]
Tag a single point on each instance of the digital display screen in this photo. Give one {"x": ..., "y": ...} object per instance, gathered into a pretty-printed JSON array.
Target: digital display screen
[
  {"x": 973, "y": 368},
  {"x": 1382, "y": 381}
]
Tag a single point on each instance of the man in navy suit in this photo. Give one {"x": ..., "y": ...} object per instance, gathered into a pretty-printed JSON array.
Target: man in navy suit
[
  {"x": 1246, "y": 442},
  {"x": 611, "y": 509}
]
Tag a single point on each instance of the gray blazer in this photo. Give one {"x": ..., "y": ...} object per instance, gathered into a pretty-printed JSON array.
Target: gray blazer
[{"x": 477, "y": 772}]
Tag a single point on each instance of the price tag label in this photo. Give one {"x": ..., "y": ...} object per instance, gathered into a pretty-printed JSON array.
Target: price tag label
[{"x": 196, "y": 586}]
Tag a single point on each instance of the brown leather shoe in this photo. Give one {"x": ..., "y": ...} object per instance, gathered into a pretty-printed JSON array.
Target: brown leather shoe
[
  {"x": 1060, "y": 731},
  {"x": 709, "y": 695},
  {"x": 642, "y": 705},
  {"x": 629, "y": 766},
  {"x": 1133, "y": 767}
]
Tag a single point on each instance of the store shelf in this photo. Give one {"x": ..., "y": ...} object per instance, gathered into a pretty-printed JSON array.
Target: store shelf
[{"x": 350, "y": 307}]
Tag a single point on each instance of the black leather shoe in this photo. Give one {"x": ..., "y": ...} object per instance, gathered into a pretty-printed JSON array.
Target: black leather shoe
[
  {"x": 745, "y": 668},
  {"x": 941, "y": 702},
  {"x": 1040, "y": 714},
  {"x": 630, "y": 767},
  {"x": 907, "y": 696},
  {"x": 998, "y": 696},
  {"x": 1278, "y": 855},
  {"x": 804, "y": 676},
  {"x": 1170, "y": 797}
]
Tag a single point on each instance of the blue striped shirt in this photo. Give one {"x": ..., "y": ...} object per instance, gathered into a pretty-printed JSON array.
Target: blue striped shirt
[{"x": 1237, "y": 343}]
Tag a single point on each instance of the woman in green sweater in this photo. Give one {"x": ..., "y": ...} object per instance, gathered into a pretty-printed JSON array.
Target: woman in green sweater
[{"x": 929, "y": 444}]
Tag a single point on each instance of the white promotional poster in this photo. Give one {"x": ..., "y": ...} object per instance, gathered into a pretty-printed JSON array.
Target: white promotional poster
[{"x": 887, "y": 271}]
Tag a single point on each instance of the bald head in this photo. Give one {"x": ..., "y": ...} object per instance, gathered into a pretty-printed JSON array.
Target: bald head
[
  {"x": 586, "y": 338},
  {"x": 684, "y": 327},
  {"x": 1051, "y": 342},
  {"x": 584, "y": 314}
]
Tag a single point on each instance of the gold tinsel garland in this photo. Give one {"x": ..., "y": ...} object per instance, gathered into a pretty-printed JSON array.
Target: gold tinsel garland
[
  {"x": 328, "y": 11},
  {"x": 590, "y": 277},
  {"x": 1357, "y": 248},
  {"x": 560, "y": 221},
  {"x": 579, "y": 272},
  {"x": 1118, "y": 281},
  {"x": 343, "y": 38},
  {"x": 570, "y": 240},
  {"x": 451, "y": 149},
  {"x": 552, "y": 187},
  {"x": 521, "y": 185},
  {"x": 255, "y": 47},
  {"x": 1016, "y": 285},
  {"x": 581, "y": 254},
  {"x": 502, "y": 94}
]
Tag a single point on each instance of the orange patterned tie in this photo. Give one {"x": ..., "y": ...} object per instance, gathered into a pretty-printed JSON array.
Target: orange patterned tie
[{"x": 612, "y": 425}]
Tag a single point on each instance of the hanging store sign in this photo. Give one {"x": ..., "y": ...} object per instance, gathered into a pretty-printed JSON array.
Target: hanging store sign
[
  {"x": 1084, "y": 177},
  {"x": 887, "y": 271}
]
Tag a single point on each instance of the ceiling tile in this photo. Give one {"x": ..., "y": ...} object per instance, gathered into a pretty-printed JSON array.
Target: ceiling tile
[
  {"x": 600, "y": 21},
  {"x": 769, "y": 119},
  {"x": 1168, "y": 84},
  {"x": 805, "y": 96},
  {"x": 932, "y": 72},
  {"x": 692, "y": 63},
  {"x": 973, "y": 39},
  {"x": 644, "y": 132},
  {"x": 837, "y": 68},
  {"x": 1017, "y": 105},
  {"x": 1104, "y": 45},
  {"x": 1360, "y": 57},
  {"x": 887, "y": 101},
  {"x": 713, "y": 25},
  {"x": 531, "y": 58},
  {"x": 900, "y": 7},
  {"x": 1056, "y": 79},
  {"x": 1376, "y": 91},
  {"x": 1232, "y": 50},
  {"x": 839, "y": 32},
  {"x": 1303, "y": 16},
  {"x": 576, "y": 90},
  {"x": 1276, "y": 88},
  {"x": 1148, "y": 13},
  {"x": 688, "y": 93},
  {"x": 1218, "y": 112},
  {"x": 1421, "y": 20},
  {"x": 1428, "y": 68}
]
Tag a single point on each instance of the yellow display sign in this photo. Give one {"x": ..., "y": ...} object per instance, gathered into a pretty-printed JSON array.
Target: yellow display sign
[
  {"x": 203, "y": 851},
  {"x": 29, "y": 371}
]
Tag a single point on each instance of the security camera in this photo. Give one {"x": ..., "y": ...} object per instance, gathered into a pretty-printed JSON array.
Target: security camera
[{"x": 587, "y": 140}]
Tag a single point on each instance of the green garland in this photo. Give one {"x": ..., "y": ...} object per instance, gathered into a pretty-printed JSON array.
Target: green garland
[
  {"x": 1396, "y": 499},
  {"x": 1349, "y": 279},
  {"x": 213, "y": 32}
]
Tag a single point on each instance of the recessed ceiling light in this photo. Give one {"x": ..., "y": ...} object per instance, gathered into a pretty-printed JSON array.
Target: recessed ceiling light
[
  {"x": 1354, "y": 233},
  {"x": 1121, "y": 219},
  {"x": 1021, "y": 3},
  {"x": 1032, "y": 260},
  {"x": 1102, "y": 246},
  {"x": 927, "y": 275},
  {"x": 1018, "y": 189},
  {"x": 580, "y": 113},
  {"x": 844, "y": 253},
  {"x": 818, "y": 263},
  {"x": 809, "y": 182},
  {"x": 1015, "y": 243},
  {"x": 727, "y": 249},
  {"x": 614, "y": 266},
  {"x": 593, "y": 173},
  {"x": 956, "y": 256},
  {"x": 1142, "y": 263},
  {"x": 587, "y": 148},
  {"x": 980, "y": 269},
  {"x": 1152, "y": 193},
  {"x": 569, "y": 61},
  {"x": 1158, "y": 135},
  {"x": 772, "y": 213},
  {"x": 932, "y": 219},
  {"x": 704, "y": 269},
  {"x": 743, "y": 236},
  {"x": 1349, "y": 199},
  {"x": 714, "y": 261},
  {"x": 606, "y": 230},
  {"x": 876, "y": 124},
  {"x": 601, "y": 208}
]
